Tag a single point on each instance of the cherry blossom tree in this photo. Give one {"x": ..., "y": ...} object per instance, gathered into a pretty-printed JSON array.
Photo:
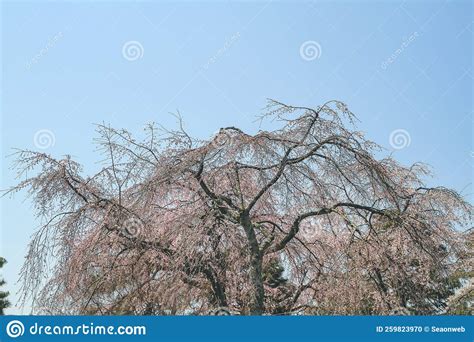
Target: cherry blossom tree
[{"x": 303, "y": 219}]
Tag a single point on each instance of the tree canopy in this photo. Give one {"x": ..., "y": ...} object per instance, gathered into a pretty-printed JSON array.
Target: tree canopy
[{"x": 303, "y": 219}]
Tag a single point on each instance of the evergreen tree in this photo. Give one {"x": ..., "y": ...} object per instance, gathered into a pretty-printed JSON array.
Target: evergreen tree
[{"x": 4, "y": 303}]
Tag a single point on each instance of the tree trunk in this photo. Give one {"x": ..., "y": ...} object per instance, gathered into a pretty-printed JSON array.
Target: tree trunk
[
  {"x": 258, "y": 294},
  {"x": 256, "y": 279}
]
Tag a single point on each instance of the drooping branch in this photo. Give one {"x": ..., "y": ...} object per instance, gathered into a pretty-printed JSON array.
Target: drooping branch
[{"x": 277, "y": 222}]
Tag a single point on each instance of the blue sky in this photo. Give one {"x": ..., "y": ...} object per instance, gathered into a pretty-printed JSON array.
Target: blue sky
[{"x": 65, "y": 66}]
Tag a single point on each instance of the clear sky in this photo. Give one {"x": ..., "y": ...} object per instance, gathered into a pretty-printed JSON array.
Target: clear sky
[{"x": 404, "y": 68}]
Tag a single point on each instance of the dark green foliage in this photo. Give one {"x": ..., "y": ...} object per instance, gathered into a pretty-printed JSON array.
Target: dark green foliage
[
  {"x": 462, "y": 302},
  {"x": 280, "y": 296},
  {"x": 273, "y": 273},
  {"x": 4, "y": 303}
]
